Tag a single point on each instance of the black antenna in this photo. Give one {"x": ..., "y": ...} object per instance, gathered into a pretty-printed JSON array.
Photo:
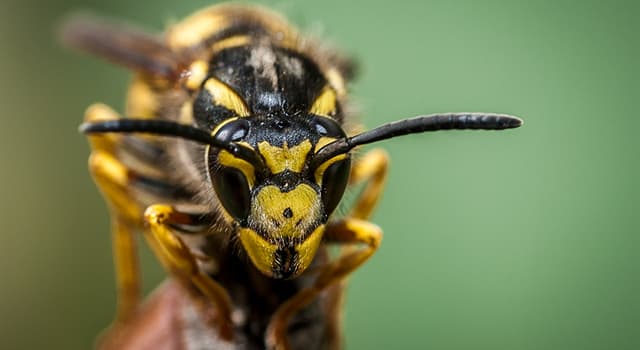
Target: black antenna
[
  {"x": 172, "y": 129},
  {"x": 419, "y": 124}
]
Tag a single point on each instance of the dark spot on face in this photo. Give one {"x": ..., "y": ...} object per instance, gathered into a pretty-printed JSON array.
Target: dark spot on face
[{"x": 287, "y": 213}]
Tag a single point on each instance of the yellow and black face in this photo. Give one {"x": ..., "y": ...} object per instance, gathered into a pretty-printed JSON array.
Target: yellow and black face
[{"x": 279, "y": 107}]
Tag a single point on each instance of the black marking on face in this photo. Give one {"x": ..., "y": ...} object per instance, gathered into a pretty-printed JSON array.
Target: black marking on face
[
  {"x": 287, "y": 213},
  {"x": 287, "y": 181},
  {"x": 285, "y": 263}
]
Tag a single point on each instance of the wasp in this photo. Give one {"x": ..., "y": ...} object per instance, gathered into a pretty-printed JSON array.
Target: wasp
[{"x": 236, "y": 150}]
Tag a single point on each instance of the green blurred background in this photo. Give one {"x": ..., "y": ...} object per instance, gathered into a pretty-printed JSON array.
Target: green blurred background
[{"x": 524, "y": 239}]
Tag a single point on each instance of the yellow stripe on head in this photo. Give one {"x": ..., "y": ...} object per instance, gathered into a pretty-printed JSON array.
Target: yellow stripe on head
[
  {"x": 319, "y": 173},
  {"x": 224, "y": 96},
  {"x": 227, "y": 159},
  {"x": 307, "y": 250},
  {"x": 260, "y": 251},
  {"x": 279, "y": 159},
  {"x": 325, "y": 104},
  {"x": 323, "y": 141},
  {"x": 263, "y": 254}
]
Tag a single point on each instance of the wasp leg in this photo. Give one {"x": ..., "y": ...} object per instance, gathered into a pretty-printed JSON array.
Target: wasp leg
[
  {"x": 178, "y": 260},
  {"x": 346, "y": 231},
  {"x": 373, "y": 169},
  {"x": 111, "y": 178}
]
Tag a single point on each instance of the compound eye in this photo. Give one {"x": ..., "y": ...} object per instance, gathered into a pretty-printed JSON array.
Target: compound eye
[
  {"x": 329, "y": 128},
  {"x": 233, "y": 131},
  {"x": 334, "y": 182},
  {"x": 232, "y": 189}
]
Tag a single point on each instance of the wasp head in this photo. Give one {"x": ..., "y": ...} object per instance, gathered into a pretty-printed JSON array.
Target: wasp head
[{"x": 278, "y": 197}]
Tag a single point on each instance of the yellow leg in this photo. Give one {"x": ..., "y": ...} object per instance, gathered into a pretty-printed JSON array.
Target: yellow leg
[
  {"x": 111, "y": 178},
  {"x": 127, "y": 269},
  {"x": 347, "y": 231},
  {"x": 104, "y": 142},
  {"x": 178, "y": 260},
  {"x": 373, "y": 169}
]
